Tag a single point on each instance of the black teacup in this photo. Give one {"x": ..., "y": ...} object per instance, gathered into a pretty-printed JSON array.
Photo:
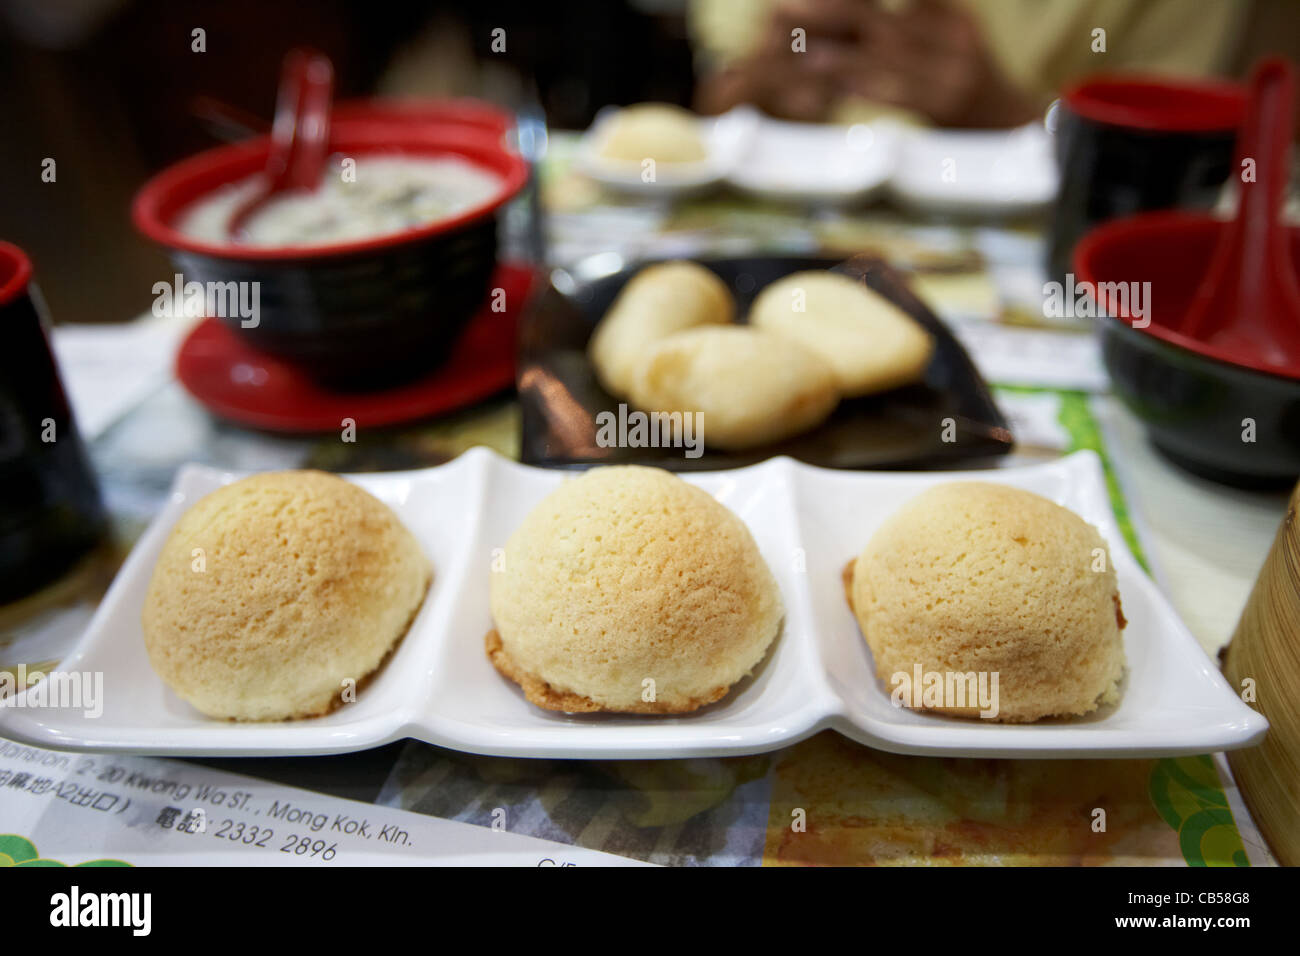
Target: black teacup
[
  {"x": 51, "y": 514},
  {"x": 1126, "y": 145}
]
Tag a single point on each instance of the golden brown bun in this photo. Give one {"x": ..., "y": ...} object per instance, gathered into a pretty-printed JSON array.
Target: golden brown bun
[
  {"x": 658, "y": 131},
  {"x": 976, "y": 577},
  {"x": 659, "y": 300},
  {"x": 871, "y": 344},
  {"x": 751, "y": 387},
  {"x": 274, "y": 590},
  {"x": 626, "y": 575}
]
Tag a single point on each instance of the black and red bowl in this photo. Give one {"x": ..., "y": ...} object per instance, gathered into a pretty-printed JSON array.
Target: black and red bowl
[
  {"x": 1127, "y": 144},
  {"x": 51, "y": 512},
  {"x": 362, "y": 313},
  {"x": 1219, "y": 414},
  {"x": 441, "y": 112}
]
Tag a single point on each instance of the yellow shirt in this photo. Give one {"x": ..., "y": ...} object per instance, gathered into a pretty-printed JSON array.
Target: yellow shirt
[{"x": 1041, "y": 45}]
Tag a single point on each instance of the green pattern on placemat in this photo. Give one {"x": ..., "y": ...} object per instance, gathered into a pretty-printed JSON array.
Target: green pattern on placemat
[
  {"x": 1186, "y": 791},
  {"x": 20, "y": 851},
  {"x": 1188, "y": 795},
  {"x": 1077, "y": 420}
]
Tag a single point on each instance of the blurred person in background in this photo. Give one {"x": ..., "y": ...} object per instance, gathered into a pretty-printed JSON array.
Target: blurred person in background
[{"x": 963, "y": 63}]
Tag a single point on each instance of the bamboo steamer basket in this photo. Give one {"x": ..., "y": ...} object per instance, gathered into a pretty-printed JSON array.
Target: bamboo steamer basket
[{"x": 1266, "y": 650}]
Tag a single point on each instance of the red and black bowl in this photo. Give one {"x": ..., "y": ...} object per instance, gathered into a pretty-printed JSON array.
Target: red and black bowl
[
  {"x": 1127, "y": 144},
  {"x": 356, "y": 314},
  {"x": 1219, "y": 414},
  {"x": 51, "y": 512},
  {"x": 439, "y": 113}
]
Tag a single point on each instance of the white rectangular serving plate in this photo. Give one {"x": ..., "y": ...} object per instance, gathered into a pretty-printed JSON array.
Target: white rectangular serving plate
[{"x": 439, "y": 686}]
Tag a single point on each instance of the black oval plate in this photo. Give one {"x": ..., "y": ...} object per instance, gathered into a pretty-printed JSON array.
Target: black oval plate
[{"x": 903, "y": 428}]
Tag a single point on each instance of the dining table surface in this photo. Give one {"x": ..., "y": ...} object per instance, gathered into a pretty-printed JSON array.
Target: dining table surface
[{"x": 1203, "y": 544}]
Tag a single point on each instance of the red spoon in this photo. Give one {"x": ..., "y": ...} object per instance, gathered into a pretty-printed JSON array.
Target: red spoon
[
  {"x": 299, "y": 135},
  {"x": 1248, "y": 302}
]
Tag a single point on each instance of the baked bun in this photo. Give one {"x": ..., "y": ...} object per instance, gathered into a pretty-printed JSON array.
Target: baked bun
[
  {"x": 656, "y": 302},
  {"x": 751, "y": 387},
  {"x": 626, "y": 576},
  {"x": 871, "y": 343},
  {"x": 658, "y": 131},
  {"x": 274, "y": 590},
  {"x": 985, "y": 578}
]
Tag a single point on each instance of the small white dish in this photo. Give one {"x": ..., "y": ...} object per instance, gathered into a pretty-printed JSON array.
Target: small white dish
[
  {"x": 975, "y": 172},
  {"x": 727, "y": 139},
  {"x": 808, "y": 522},
  {"x": 817, "y": 164}
]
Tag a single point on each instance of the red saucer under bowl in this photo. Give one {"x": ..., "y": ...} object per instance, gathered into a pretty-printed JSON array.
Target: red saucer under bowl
[{"x": 242, "y": 385}]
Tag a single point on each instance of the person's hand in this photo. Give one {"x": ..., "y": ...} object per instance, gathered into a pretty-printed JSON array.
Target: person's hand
[
  {"x": 779, "y": 79},
  {"x": 929, "y": 57}
]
